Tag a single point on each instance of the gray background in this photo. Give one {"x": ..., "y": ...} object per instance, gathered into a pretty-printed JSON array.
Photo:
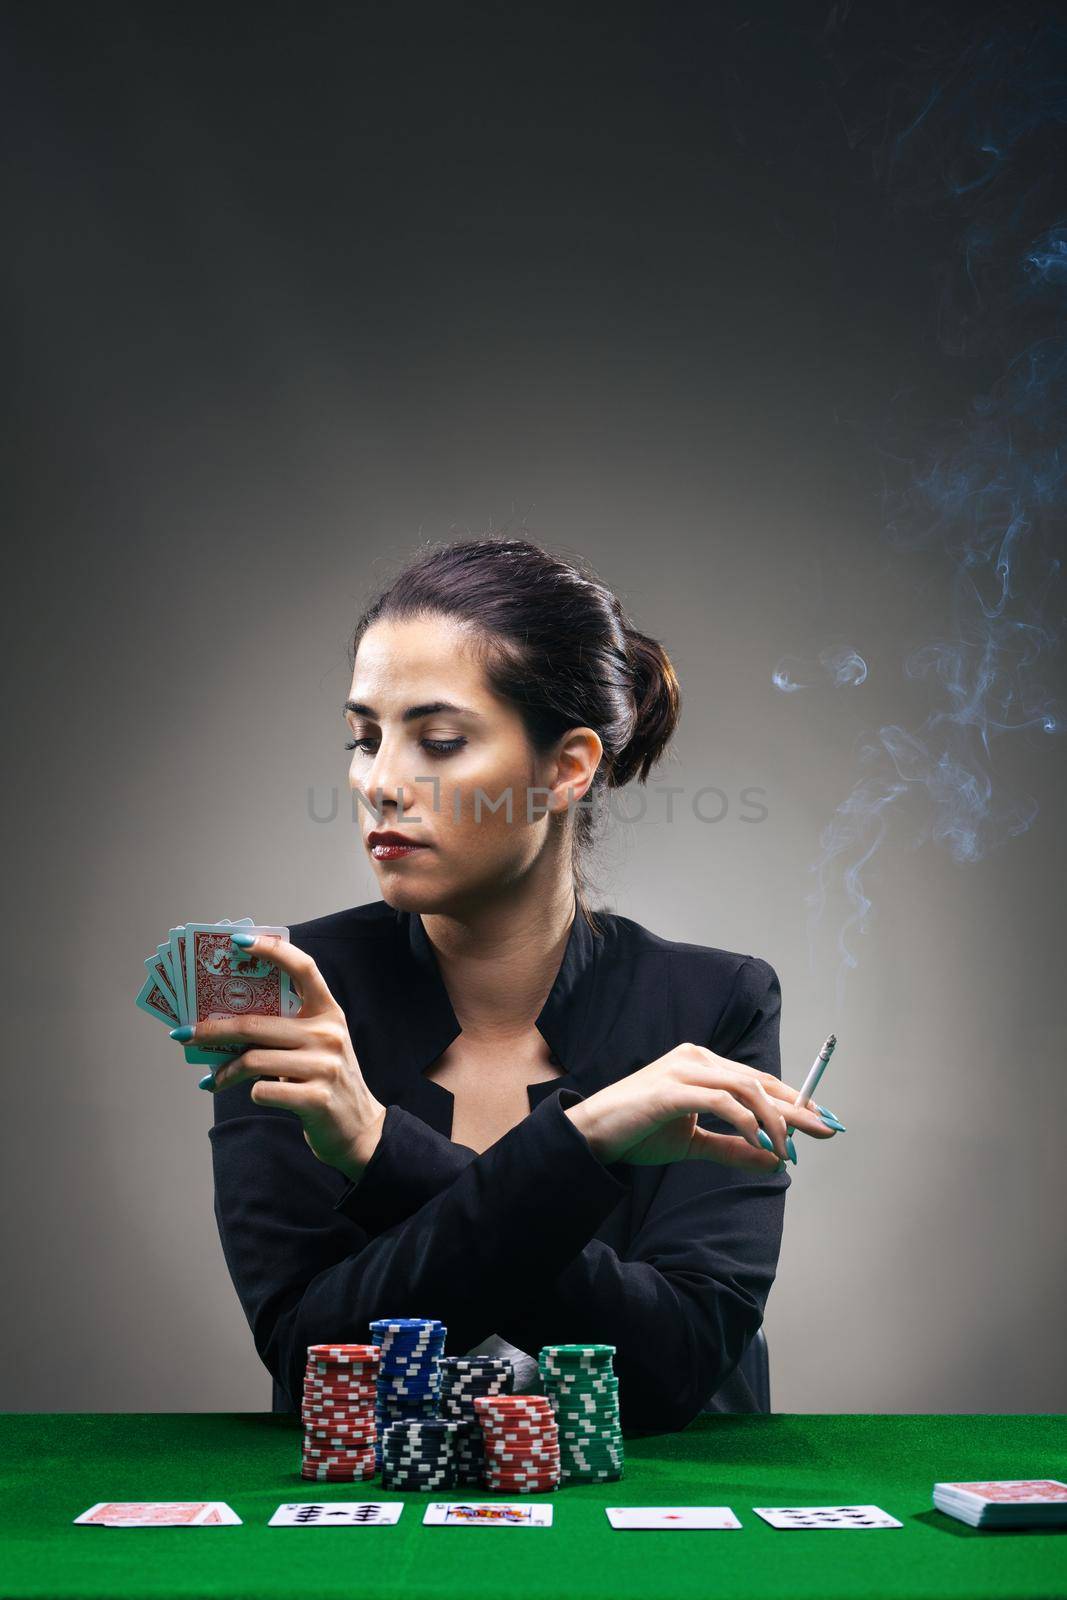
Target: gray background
[{"x": 285, "y": 301}]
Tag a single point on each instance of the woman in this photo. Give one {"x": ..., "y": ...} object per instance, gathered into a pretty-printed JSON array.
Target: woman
[{"x": 494, "y": 1107}]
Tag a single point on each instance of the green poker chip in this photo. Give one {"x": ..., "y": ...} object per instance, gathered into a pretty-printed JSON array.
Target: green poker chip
[{"x": 567, "y": 1351}]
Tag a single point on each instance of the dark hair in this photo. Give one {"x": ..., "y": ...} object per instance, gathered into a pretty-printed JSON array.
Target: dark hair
[{"x": 554, "y": 641}]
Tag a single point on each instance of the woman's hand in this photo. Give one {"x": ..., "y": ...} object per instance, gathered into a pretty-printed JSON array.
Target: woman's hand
[
  {"x": 650, "y": 1117},
  {"x": 303, "y": 1063}
]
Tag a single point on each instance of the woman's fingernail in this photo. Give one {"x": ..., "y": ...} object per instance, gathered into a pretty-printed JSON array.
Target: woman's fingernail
[
  {"x": 184, "y": 1033},
  {"x": 779, "y": 1168},
  {"x": 763, "y": 1139},
  {"x": 243, "y": 939},
  {"x": 207, "y": 1081},
  {"x": 830, "y": 1120},
  {"x": 791, "y": 1147}
]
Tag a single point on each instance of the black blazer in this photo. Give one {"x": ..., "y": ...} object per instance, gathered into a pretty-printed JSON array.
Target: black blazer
[{"x": 536, "y": 1239}]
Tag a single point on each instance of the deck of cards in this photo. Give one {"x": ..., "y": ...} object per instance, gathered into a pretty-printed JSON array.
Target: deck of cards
[
  {"x": 1005, "y": 1502},
  {"x": 196, "y": 973},
  {"x": 160, "y": 1514}
]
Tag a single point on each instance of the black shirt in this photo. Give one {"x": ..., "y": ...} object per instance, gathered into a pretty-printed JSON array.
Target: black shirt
[{"x": 535, "y": 1239}]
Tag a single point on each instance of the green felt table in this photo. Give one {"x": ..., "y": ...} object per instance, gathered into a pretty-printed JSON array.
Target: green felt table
[{"x": 58, "y": 1464}]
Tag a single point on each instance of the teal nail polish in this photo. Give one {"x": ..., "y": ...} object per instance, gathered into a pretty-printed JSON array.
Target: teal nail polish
[
  {"x": 243, "y": 939},
  {"x": 780, "y": 1167},
  {"x": 763, "y": 1139},
  {"x": 184, "y": 1033},
  {"x": 830, "y": 1120},
  {"x": 791, "y": 1147},
  {"x": 207, "y": 1081}
]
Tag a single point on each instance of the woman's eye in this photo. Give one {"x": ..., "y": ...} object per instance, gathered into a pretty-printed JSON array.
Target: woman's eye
[{"x": 437, "y": 747}]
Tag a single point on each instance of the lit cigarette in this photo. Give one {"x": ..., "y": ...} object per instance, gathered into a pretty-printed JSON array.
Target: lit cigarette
[{"x": 811, "y": 1082}]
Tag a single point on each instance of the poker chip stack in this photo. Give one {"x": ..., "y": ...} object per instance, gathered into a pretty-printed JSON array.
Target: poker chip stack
[
  {"x": 408, "y": 1377},
  {"x": 340, "y": 1388},
  {"x": 418, "y": 1455},
  {"x": 522, "y": 1453},
  {"x": 580, "y": 1382},
  {"x": 463, "y": 1379}
]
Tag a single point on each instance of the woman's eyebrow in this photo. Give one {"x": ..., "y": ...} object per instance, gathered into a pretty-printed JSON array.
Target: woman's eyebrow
[{"x": 412, "y": 712}]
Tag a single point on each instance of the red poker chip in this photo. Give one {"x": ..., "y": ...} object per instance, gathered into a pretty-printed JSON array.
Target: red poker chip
[
  {"x": 508, "y": 1403},
  {"x": 336, "y": 1408},
  {"x": 330, "y": 1380},
  {"x": 356, "y": 1399},
  {"x": 522, "y": 1480},
  {"x": 338, "y": 1403},
  {"x": 347, "y": 1369},
  {"x": 493, "y": 1445},
  {"x": 343, "y": 1445},
  {"x": 337, "y": 1458},
  {"x": 520, "y": 1432},
  {"x": 354, "y": 1421},
  {"x": 340, "y": 1380},
  {"x": 344, "y": 1442},
  {"x": 329, "y": 1425},
  {"x": 344, "y": 1369},
  {"x": 523, "y": 1474},
  {"x": 364, "y": 1425},
  {"x": 519, "y": 1452},
  {"x": 346, "y": 1445},
  {"x": 363, "y": 1429},
  {"x": 338, "y": 1477},
  {"x": 341, "y": 1377},
  {"x": 343, "y": 1352},
  {"x": 357, "y": 1385},
  {"x": 342, "y": 1475},
  {"x": 551, "y": 1476},
  {"x": 506, "y": 1486},
  {"x": 496, "y": 1405},
  {"x": 320, "y": 1449},
  {"x": 533, "y": 1428}
]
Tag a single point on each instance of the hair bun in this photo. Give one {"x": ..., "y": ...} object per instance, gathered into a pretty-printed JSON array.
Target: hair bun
[{"x": 657, "y": 706}]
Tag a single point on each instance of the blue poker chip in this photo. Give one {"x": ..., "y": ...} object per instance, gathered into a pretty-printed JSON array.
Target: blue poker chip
[{"x": 407, "y": 1322}]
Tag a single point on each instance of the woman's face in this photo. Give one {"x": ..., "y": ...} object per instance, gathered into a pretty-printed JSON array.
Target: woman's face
[{"x": 436, "y": 775}]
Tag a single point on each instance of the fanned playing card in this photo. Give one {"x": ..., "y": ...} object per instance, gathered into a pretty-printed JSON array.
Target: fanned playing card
[
  {"x": 156, "y": 996},
  {"x": 224, "y": 981},
  {"x": 826, "y": 1517},
  {"x": 338, "y": 1514}
]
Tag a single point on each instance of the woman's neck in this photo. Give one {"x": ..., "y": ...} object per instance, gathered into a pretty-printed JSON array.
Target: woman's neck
[{"x": 500, "y": 965}]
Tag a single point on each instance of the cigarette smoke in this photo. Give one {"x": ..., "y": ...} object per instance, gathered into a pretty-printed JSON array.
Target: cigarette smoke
[{"x": 964, "y": 122}]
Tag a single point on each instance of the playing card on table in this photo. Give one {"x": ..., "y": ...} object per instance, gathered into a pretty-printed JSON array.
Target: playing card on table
[
  {"x": 338, "y": 1514},
  {"x": 160, "y": 1514},
  {"x": 1005, "y": 1502},
  {"x": 826, "y": 1517},
  {"x": 487, "y": 1514},
  {"x": 668, "y": 1518}
]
